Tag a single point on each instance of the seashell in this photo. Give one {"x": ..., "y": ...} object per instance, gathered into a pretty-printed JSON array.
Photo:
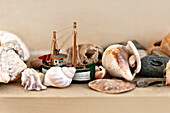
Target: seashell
[
  {"x": 59, "y": 76},
  {"x": 32, "y": 80},
  {"x": 116, "y": 60},
  {"x": 167, "y": 73},
  {"x": 163, "y": 46},
  {"x": 35, "y": 63},
  {"x": 87, "y": 53},
  {"x": 11, "y": 65},
  {"x": 6, "y": 37},
  {"x": 100, "y": 72},
  {"x": 111, "y": 85}
]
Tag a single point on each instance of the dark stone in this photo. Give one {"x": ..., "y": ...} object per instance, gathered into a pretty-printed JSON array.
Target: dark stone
[
  {"x": 137, "y": 44},
  {"x": 153, "y": 66}
]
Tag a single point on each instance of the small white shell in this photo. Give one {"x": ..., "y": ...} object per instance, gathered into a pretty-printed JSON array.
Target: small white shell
[
  {"x": 32, "y": 80},
  {"x": 100, "y": 72},
  {"x": 59, "y": 77},
  {"x": 6, "y": 37},
  {"x": 116, "y": 60}
]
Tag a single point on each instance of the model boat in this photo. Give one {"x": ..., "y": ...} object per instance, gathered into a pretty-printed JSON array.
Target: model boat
[{"x": 55, "y": 58}]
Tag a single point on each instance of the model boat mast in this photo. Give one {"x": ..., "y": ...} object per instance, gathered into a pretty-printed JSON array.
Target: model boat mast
[{"x": 75, "y": 45}]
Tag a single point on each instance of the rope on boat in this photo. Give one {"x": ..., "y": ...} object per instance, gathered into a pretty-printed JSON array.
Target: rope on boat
[
  {"x": 66, "y": 40},
  {"x": 64, "y": 29}
]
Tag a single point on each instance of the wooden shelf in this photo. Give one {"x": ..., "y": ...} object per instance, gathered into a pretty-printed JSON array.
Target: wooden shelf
[{"x": 79, "y": 98}]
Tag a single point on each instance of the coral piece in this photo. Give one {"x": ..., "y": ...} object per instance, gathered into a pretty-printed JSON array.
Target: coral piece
[
  {"x": 116, "y": 60},
  {"x": 153, "y": 66},
  {"x": 6, "y": 37},
  {"x": 32, "y": 80},
  {"x": 11, "y": 65},
  {"x": 87, "y": 53},
  {"x": 168, "y": 73},
  {"x": 59, "y": 77},
  {"x": 100, "y": 72},
  {"x": 35, "y": 63},
  {"x": 111, "y": 85}
]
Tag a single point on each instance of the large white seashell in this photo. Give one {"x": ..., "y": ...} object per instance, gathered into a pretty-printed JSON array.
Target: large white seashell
[
  {"x": 59, "y": 77},
  {"x": 11, "y": 65},
  {"x": 6, "y": 37},
  {"x": 116, "y": 60},
  {"x": 32, "y": 80}
]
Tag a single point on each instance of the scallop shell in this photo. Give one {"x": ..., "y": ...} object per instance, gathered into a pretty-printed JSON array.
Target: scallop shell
[
  {"x": 116, "y": 60},
  {"x": 59, "y": 77},
  {"x": 111, "y": 85},
  {"x": 6, "y": 37},
  {"x": 32, "y": 80}
]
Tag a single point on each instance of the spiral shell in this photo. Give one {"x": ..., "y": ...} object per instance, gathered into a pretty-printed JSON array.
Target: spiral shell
[
  {"x": 118, "y": 59},
  {"x": 59, "y": 77}
]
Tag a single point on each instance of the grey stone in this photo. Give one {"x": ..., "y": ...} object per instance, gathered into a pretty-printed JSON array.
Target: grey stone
[{"x": 153, "y": 66}]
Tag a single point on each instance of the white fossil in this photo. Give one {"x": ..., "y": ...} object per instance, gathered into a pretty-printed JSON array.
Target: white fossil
[
  {"x": 11, "y": 65},
  {"x": 87, "y": 53},
  {"x": 6, "y": 37},
  {"x": 116, "y": 60},
  {"x": 32, "y": 80},
  {"x": 59, "y": 76}
]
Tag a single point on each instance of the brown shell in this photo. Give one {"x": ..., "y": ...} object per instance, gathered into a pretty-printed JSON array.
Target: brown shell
[{"x": 111, "y": 85}]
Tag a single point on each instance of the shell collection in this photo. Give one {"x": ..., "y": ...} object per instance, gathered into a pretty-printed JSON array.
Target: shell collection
[{"x": 122, "y": 60}]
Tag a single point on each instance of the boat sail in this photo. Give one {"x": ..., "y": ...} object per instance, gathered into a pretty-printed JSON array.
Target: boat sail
[{"x": 83, "y": 72}]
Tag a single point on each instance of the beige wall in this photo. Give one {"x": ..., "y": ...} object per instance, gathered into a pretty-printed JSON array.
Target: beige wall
[{"x": 100, "y": 21}]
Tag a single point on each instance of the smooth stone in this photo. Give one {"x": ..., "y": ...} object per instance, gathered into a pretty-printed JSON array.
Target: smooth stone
[
  {"x": 153, "y": 66},
  {"x": 156, "y": 52},
  {"x": 136, "y": 43}
]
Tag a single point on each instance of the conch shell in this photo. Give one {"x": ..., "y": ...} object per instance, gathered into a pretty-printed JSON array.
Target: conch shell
[
  {"x": 59, "y": 77},
  {"x": 32, "y": 80},
  {"x": 168, "y": 73},
  {"x": 6, "y": 37},
  {"x": 122, "y": 61}
]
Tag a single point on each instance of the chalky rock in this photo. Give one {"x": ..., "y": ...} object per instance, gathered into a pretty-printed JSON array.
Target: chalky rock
[
  {"x": 11, "y": 65},
  {"x": 32, "y": 80},
  {"x": 6, "y": 37},
  {"x": 87, "y": 54},
  {"x": 59, "y": 76},
  {"x": 153, "y": 66},
  {"x": 122, "y": 61},
  {"x": 111, "y": 85}
]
